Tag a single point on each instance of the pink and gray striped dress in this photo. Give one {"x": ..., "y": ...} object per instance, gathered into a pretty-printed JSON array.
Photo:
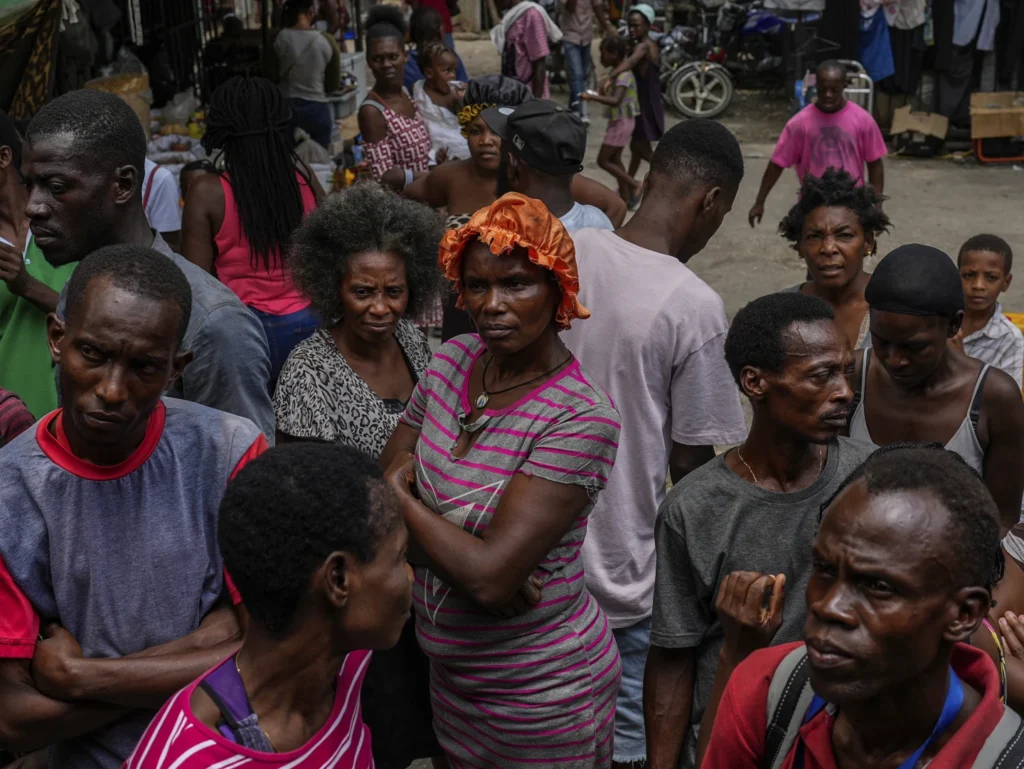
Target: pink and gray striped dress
[{"x": 538, "y": 689}]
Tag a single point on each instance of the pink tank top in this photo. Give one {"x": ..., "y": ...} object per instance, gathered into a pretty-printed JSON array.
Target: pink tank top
[{"x": 268, "y": 291}]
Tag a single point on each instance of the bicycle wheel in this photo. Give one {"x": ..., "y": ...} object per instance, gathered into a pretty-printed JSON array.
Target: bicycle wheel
[{"x": 700, "y": 89}]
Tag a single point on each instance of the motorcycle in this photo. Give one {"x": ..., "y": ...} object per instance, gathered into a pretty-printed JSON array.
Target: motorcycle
[{"x": 738, "y": 40}]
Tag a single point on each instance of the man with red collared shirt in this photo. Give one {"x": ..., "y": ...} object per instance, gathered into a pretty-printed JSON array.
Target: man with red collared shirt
[
  {"x": 113, "y": 594},
  {"x": 904, "y": 565}
]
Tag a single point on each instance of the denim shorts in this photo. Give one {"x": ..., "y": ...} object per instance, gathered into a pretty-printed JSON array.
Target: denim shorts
[{"x": 630, "y": 742}]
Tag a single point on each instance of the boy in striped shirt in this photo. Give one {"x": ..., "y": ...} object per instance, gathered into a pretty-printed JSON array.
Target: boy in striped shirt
[{"x": 986, "y": 264}]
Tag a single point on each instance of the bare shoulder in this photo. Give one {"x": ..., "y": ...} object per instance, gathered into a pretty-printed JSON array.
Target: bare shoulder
[
  {"x": 205, "y": 197},
  {"x": 203, "y": 708},
  {"x": 372, "y": 123},
  {"x": 1002, "y": 393},
  {"x": 450, "y": 171},
  {"x": 206, "y": 188}
]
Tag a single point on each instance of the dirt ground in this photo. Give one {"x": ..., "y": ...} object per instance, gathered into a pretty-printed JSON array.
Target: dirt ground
[{"x": 938, "y": 202}]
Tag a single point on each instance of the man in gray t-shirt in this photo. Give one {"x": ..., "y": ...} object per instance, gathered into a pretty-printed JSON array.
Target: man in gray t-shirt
[{"x": 752, "y": 509}]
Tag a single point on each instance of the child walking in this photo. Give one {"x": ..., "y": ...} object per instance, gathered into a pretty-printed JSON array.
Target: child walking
[
  {"x": 623, "y": 107},
  {"x": 439, "y": 98}
]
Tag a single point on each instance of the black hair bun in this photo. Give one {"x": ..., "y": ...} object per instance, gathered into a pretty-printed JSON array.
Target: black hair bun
[{"x": 386, "y": 14}]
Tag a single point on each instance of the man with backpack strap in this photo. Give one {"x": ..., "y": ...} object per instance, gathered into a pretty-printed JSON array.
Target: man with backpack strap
[
  {"x": 904, "y": 565},
  {"x": 754, "y": 508}
]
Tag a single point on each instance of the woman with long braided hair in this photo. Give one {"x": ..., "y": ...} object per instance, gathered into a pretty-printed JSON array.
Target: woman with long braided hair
[{"x": 238, "y": 223}]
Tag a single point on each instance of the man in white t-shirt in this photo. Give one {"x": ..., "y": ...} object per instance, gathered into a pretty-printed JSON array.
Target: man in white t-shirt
[
  {"x": 655, "y": 341},
  {"x": 162, "y": 201}
]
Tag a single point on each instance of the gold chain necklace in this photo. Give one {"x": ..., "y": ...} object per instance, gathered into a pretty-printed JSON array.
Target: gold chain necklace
[{"x": 821, "y": 465}]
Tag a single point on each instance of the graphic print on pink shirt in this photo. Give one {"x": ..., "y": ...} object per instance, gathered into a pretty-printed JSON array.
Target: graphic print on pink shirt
[{"x": 814, "y": 141}]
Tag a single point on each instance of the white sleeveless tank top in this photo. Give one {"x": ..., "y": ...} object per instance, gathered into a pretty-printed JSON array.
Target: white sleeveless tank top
[{"x": 964, "y": 441}]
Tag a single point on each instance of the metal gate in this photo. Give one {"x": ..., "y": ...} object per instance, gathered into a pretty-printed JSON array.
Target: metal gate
[{"x": 169, "y": 36}]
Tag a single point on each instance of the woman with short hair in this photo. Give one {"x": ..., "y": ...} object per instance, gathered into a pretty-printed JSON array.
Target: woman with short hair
[
  {"x": 367, "y": 260},
  {"x": 507, "y": 443},
  {"x": 394, "y": 133},
  {"x": 834, "y": 226},
  {"x": 315, "y": 544}
]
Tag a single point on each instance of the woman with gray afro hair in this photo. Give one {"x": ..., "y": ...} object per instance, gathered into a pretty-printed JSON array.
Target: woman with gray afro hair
[{"x": 368, "y": 260}]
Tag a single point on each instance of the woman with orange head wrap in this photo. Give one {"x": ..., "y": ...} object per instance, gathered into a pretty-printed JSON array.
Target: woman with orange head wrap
[{"x": 497, "y": 462}]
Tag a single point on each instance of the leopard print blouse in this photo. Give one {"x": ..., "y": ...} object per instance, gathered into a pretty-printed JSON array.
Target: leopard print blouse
[{"x": 319, "y": 396}]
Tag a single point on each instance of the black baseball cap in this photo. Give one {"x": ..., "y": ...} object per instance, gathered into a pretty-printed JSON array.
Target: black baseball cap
[{"x": 542, "y": 134}]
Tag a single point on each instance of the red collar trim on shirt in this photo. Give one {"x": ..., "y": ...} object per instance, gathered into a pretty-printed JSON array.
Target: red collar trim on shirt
[
  {"x": 55, "y": 445},
  {"x": 974, "y": 667}
]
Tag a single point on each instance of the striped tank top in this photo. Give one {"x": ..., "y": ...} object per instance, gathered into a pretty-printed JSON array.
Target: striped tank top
[
  {"x": 539, "y": 688},
  {"x": 176, "y": 738}
]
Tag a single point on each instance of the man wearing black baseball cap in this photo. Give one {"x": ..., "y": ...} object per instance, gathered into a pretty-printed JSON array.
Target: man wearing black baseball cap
[{"x": 542, "y": 149}]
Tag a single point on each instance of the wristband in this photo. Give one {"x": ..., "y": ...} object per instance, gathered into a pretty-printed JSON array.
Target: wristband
[{"x": 408, "y": 178}]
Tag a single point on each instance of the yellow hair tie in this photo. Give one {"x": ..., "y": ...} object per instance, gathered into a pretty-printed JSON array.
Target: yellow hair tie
[{"x": 468, "y": 113}]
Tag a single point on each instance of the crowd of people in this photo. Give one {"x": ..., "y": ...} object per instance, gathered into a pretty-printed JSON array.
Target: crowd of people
[{"x": 252, "y": 517}]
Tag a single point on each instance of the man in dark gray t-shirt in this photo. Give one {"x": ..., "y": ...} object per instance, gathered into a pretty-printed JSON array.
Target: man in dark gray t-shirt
[{"x": 754, "y": 508}]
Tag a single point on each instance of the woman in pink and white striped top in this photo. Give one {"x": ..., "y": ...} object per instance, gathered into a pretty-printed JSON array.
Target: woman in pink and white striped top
[
  {"x": 508, "y": 443},
  {"x": 317, "y": 549}
]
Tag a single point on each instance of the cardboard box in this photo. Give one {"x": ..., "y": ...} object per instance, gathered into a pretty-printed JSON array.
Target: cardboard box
[
  {"x": 927, "y": 123},
  {"x": 997, "y": 115}
]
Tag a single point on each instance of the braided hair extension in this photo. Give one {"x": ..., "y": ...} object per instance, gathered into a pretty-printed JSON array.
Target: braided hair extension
[{"x": 250, "y": 120}]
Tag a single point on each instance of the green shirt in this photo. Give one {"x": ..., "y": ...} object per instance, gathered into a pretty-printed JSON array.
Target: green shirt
[{"x": 25, "y": 364}]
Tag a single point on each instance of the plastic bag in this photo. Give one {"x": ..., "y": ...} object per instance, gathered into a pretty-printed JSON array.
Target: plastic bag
[
  {"x": 127, "y": 77},
  {"x": 309, "y": 151},
  {"x": 179, "y": 109}
]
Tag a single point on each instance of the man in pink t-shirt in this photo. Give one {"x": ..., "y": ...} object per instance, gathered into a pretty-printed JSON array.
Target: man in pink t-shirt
[{"x": 830, "y": 133}]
